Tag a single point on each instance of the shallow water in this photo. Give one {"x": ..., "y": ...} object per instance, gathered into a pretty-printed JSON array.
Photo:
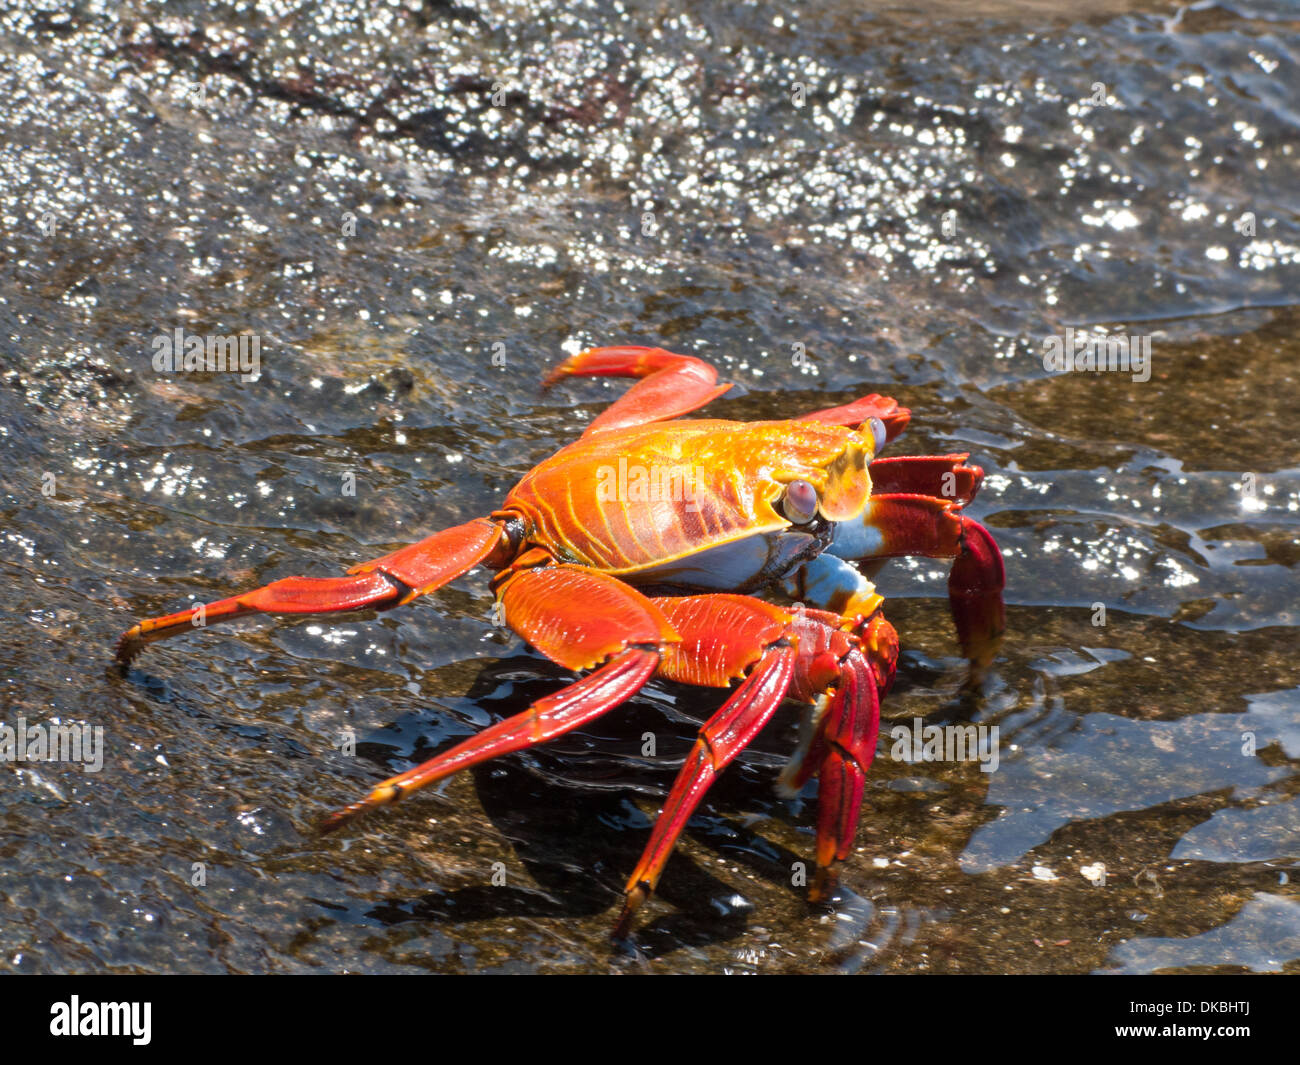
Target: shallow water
[{"x": 917, "y": 194}]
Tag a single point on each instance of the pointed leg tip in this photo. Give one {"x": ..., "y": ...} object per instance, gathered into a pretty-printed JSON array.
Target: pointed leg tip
[
  {"x": 977, "y": 673},
  {"x": 332, "y": 822},
  {"x": 130, "y": 644},
  {"x": 151, "y": 630},
  {"x": 384, "y": 795},
  {"x": 631, "y": 903},
  {"x": 980, "y": 651},
  {"x": 339, "y": 818},
  {"x": 570, "y": 367},
  {"x": 825, "y": 881}
]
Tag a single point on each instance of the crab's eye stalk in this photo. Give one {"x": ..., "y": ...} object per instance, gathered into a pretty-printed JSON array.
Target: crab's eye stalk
[
  {"x": 877, "y": 428},
  {"x": 800, "y": 502}
]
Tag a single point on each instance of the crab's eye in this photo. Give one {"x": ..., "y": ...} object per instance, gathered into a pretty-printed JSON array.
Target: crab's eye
[
  {"x": 877, "y": 428},
  {"x": 800, "y": 502}
]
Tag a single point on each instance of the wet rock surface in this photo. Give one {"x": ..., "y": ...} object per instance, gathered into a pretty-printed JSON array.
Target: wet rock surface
[{"x": 419, "y": 208}]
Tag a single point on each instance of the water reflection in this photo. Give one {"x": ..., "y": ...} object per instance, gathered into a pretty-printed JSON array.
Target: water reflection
[{"x": 418, "y": 209}]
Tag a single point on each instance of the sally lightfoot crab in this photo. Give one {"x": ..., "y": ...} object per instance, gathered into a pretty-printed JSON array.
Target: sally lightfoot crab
[{"x": 631, "y": 583}]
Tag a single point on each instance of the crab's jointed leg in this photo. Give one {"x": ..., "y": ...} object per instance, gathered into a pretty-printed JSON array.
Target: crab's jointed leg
[
  {"x": 894, "y": 417},
  {"x": 895, "y": 524},
  {"x": 944, "y": 476},
  {"x": 841, "y": 743},
  {"x": 392, "y": 580},
  {"x": 723, "y": 636},
  {"x": 849, "y": 731},
  {"x": 806, "y": 654},
  {"x": 577, "y": 617},
  {"x": 546, "y": 719},
  {"x": 671, "y": 385}
]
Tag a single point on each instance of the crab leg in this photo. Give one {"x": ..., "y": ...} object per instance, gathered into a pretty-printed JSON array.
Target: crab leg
[
  {"x": 806, "y": 654},
  {"x": 553, "y": 716},
  {"x": 823, "y": 636},
  {"x": 832, "y": 584},
  {"x": 394, "y": 579},
  {"x": 723, "y": 737},
  {"x": 857, "y": 668},
  {"x": 975, "y": 585},
  {"x": 579, "y": 618},
  {"x": 671, "y": 385},
  {"x": 945, "y": 476},
  {"x": 863, "y": 410},
  {"x": 849, "y": 732},
  {"x": 896, "y": 524}
]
